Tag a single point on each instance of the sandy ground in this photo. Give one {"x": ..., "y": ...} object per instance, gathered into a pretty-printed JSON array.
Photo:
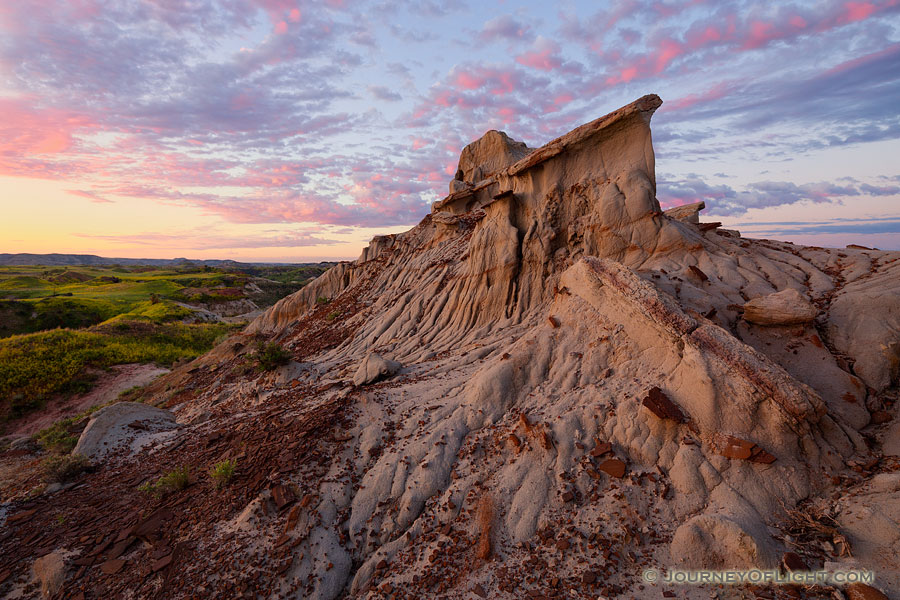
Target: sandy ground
[{"x": 107, "y": 389}]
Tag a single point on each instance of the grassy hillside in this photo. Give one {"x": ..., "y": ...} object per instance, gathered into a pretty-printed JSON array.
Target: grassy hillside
[{"x": 60, "y": 326}]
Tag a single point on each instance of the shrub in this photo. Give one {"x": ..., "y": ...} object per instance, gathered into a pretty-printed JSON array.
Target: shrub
[
  {"x": 271, "y": 356},
  {"x": 173, "y": 481},
  {"x": 60, "y": 469},
  {"x": 223, "y": 471},
  {"x": 62, "y": 436},
  {"x": 322, "y": 300},
  {"x": 333, "y": 315}
]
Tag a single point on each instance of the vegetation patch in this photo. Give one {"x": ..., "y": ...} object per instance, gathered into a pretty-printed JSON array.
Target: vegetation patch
[
  {"x": 173, "y": 481},
  {"x": 223, "y": 471},
  {"x": 269, "y": 357},
  {"x": 63, "y": 468},
  {"x": 36, "y": 366},
  {"x": 62, "y": 436}
]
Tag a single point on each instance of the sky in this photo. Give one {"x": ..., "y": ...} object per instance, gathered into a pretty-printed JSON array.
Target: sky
[{"x": 291, "y": 131}]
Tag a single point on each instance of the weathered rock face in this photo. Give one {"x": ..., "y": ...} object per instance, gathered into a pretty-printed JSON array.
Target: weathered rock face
[{"x": 579, "y": 378}]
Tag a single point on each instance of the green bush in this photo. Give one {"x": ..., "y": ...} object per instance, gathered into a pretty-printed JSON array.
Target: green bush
[
  {"x": 322, "y": 300},
  {"x": 223, "y": 471},
  {"x": 60, "y": 469},
  {"x": 271, "y": 356},
  {"x": 173, "y": 481}
]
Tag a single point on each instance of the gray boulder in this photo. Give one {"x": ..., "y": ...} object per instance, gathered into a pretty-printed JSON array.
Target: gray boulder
[
  {"x": 119, "y": 424},
  {"x": 375, "y": 367}
]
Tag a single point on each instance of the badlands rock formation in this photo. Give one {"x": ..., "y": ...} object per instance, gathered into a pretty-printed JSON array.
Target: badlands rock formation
[{"x": 544, "y": 388}]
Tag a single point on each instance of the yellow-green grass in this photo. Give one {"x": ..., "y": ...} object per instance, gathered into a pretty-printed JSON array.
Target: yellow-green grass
[
  {"x": 35, "y": 367},
  {"x": 39, "y": 298}
]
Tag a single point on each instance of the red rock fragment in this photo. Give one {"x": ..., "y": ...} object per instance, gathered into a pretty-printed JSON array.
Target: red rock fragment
[
  {"x": 282, "y": 495},
  {"x": 479, "y": 591},
  {"x": 113, "y": 566},
  {"x": 21, "y": 516},
  {"x": 861, "y": 591},
  {"x": 568, "y": 496},
  {"x": 659, "y": 404},
  {"x": 544, "y": 438},
  {"x": 152, "y": 524},
  {"x": 600, "y": 449},
  {"x": 589, "y": 577},
  {"x": 613, "y": 467},
  {"x": 700, "y": 274},
  {"x": 792, "y": 562},
  {"x": 668, "y": 594},
  {"x": 162, "y": 563},
  {"x": 120, "y": 548},
  {"x": 880, "y": 417},
  {"x": 736, "y": 448},
  {"x": 554, "y": 322}
]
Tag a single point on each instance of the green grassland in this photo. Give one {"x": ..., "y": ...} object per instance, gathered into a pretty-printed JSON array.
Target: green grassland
[{"x": 60, "y": 326}]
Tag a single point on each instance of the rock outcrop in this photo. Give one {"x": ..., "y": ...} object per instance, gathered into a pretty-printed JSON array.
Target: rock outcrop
[
  {"x": 787, "y": 307},
  {"x": 117, "y": 425},
  {"x": 585, "y": 393}
]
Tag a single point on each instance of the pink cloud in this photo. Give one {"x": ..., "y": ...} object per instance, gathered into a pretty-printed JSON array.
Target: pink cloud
[
  {"x": 497, "y": 81},
  {"x": 92, "y": 196},
  {"x": 667, "y": 51},
  {"x": 544, "y": 56},
  {"x": 858, "y": 11},
  {"x": 717, "y": 92},
  {"x": 29, "y": 131}
]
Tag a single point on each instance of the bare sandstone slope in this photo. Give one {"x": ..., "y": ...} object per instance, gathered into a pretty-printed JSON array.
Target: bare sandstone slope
[{"x": 545, "y": 387}]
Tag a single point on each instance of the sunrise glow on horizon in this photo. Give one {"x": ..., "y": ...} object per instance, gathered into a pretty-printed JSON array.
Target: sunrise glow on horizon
[{"x": 294, "y": 131}]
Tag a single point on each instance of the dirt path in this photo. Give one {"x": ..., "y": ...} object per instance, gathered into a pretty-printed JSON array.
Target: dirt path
[{"x": 107, "y": 389}]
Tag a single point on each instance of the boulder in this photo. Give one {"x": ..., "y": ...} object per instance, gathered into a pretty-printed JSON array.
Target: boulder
[
  {"x": 787, "y": 307},
  {"x": 118, "y": 424},
  {"x": 375, "y": 367},
  {"x": 50, "y": 573}
]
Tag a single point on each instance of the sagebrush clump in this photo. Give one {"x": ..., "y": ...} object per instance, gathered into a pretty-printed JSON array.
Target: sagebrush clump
[
  {"x": 60, "y": 469},
  {"x": 271, "y": 356},
  {"x": 223, "y": 471},
  {"x": 173, "y": 481}
]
